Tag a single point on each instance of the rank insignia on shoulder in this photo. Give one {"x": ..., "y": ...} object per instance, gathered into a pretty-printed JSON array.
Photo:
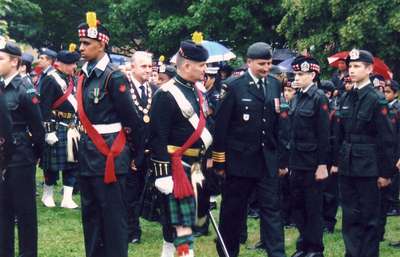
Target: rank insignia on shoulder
[
  {"x": 246, "y": 100},
  {"x": 277, "y": 104},
  {"x": 35, "y": 100}
]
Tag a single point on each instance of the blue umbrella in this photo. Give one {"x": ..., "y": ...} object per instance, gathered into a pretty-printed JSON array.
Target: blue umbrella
[
  {"x": 286, "y": 65},
  {"x": 217, "y": 52}
]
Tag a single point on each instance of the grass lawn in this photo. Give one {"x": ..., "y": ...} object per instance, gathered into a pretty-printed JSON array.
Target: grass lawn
[{"x": 60, "y": 235}]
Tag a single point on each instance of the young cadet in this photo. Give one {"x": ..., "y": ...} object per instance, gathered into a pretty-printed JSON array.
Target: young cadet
[
  {"x": 58, "y": 105},
  {"x": 18, "y": 181},
  {"x": 6, "y": 145},
  {"x": 111, "y": 140},
  {"x": 365, "y": 159},
  {"x": 309, "y": 145}
]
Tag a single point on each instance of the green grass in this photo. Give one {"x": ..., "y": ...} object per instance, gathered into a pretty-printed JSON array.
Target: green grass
[{"x": 60, "y": 235}]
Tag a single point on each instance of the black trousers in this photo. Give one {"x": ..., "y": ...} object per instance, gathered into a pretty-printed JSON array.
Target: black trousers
[
  {"x": 394, "y": 189},
  {"x": 233, "y": 215},
  {"x": 104, "y": 217},
  {"x": 307, "y": 210},
  {"x": 385, "y": 204},
  {"x": 286, "y": 202},
  {"x": 330, "y": 200},
  {"x": 134, "y": 190},
  {"x": 17, "y": 201},
  {"x": 361, "y": 208}
]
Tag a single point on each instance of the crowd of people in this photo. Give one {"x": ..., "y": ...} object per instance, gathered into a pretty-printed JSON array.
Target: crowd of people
[{"x": 161, "y": 140}]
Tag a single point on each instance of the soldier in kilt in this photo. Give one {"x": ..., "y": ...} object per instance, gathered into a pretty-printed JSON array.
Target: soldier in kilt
[
  {"x": 179, "y": 138},
  {"x": 58, "y": 106}
]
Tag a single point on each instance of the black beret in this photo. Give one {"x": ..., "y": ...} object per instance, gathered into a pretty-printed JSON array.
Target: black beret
[
  {"x": 356, "y": 55},
  {"x": 68, "y": 57},
  {"x": 259, "y": 50},
  {"x": 275, "y": 70},
  {"x": 48, "y": 52},
  {"x": 192, "y": 51},
  {"x": 305, "y": 64},
  {"x": 99, "y": 33},
  {"x": 394, "y": 85},
  {"x": 327, "y": 86},
  {"x": 27, "y": 58},
  {"x": 168, "y": 69},
  {"x": 9, "y": 47}
]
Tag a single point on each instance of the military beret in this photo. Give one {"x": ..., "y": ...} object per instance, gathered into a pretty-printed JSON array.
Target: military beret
[
  {"x": 305, "y": 64},
  {"x": 192, "y": 51},
  {"x": 68, "y": 57},
  {"x": 168, "y": 69},
  {"x": 394, "y": 85},
  {"x": 259, "y": 50},
  {"x": 327, "y": 86},
  {"x": 275, "y": 70},
  {"x": 27, "y": 58},
  {"x": 356, "y": 55},
  {"x": 48, "y": 52},
  {"x": 93, "y": 29},
  {"x": 9, "y": 47}
]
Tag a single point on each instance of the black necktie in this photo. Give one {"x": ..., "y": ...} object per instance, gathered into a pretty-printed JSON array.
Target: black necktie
[
  {"x": 2, "y": 85},
  {"x": 261, "y": 86},
  {"x": 143, "y": 95}
]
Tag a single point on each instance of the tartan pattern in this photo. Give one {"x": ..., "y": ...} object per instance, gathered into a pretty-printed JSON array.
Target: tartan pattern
[
  {"x": 55, "y": 156},
  {"x": 182, "y": 212}
]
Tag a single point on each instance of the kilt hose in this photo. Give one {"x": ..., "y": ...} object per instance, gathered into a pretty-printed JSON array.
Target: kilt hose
[{"x": 55, "y": 157}]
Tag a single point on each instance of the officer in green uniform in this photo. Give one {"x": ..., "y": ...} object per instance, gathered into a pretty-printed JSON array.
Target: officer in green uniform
[{"x": 365, "y": 159}]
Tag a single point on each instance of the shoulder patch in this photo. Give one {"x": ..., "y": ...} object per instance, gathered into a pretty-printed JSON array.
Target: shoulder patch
[
  {"x": 35, "y": 100},
  {"x": 122, "y": 88}
]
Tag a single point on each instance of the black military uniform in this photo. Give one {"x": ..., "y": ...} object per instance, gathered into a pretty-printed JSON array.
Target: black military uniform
[
  {"x": 246, "y": 147},
  {"x": 26, "y": 60},
  {"x": 309, "y": 141},
  {"x": 50, "y": 54},
  {"x": 142, "y": 98},
  {"x": 365, "y": 138},
  {"x": 59, "y": 106},
  {"x": 6, "y": 145},
  {"x": 17, "y": 185},
  {"x": 174, "y": 106},
  {"x": 112, "y": 135}
]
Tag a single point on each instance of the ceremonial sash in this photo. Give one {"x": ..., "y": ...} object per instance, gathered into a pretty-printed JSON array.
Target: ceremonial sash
[
  {"x": 182, "y": 186},
  {"x": 68, "y": 93},
  {"x": 101, "y": 145}
]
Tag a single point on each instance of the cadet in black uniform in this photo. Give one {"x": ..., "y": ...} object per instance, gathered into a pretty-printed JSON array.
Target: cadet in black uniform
[
  {"x": 26, "y": 67},
  {"x": 365, "y": 137},
  {"x": 111, "y": 138},
  {"x": 246, "y": 150},
  {"x": 179, "y": 139},
  {"x": 58, "y": 105},
  {"x": 17, "y": 183},
  {"x": 6, "y": 145},
  {"x": 46, "y": 60},
  {"x": 309, "y": 145}
]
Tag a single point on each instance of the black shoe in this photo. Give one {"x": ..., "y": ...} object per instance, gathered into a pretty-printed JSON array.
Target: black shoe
[
  {"x": 395, "y": 244},
  {"x": 393, "y": 212},
  {"x": 213, "y": 206},
  {"x": 299, "y": 254},
  {"x": 314, "y": 254},
  {"x": 243, "y": 240},
  {"x": 135, "y": 240},
  {"x": 253, "y": 214},
  {"x": 201, "y": 233},
  {"x": 258, "y": 246}
]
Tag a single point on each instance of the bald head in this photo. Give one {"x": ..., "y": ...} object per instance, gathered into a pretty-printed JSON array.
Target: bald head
[{"x": 141, "y": 66}]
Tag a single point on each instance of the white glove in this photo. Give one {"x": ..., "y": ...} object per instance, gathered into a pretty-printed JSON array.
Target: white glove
[
  {"x": 165, "y": 185},
  {"x": 51, "y": 138}
]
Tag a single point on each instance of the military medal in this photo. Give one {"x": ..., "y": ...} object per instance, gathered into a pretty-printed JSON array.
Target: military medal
[
  {"x": 145, "y": 111},
  {"x": 146, "y": 118},
  {"x": 96, "y": 93}
]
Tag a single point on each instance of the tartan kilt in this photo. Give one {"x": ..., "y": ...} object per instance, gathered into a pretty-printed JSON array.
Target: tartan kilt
[
  {"x": 55, "y": 157},
  {"x": 182, "y": 212}
]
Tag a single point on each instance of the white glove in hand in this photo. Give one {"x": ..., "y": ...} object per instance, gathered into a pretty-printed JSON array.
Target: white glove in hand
[
  {"x": 51, "y": 138},
  {"x": 165, "y": 185}
]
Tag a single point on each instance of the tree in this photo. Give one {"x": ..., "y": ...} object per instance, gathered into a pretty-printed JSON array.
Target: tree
[
  {"x": 329, "y": 26},
  {"x": 4, "y": 7}
]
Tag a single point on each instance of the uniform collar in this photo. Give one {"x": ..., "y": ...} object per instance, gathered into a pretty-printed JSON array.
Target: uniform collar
[
  {"x": 45, "y": 71},
  {"x": 393, "y": 103},
  {"x": 310, "y": 89},
  {"x": 99, "y": 68},
  {"x": 364, "y": 90},
  {"x": 360, "y": 86},
  {"x": 184, "y": 82},
  {"x": 8, "y": 80},
  {"x": 137, "y": 84},
  {"x": 254, "y": 78}
]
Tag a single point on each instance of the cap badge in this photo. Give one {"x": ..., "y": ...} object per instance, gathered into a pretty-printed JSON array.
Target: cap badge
[
  {"x": 354, "y": 54},
  {"x": 305, "y": 66}
]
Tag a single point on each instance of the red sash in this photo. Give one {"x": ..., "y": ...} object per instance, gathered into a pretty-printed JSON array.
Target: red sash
[
  {"x": 182, "y": 186},
  {"x": 98, "y": 140},
  {"x": 65, "y": 96}
]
